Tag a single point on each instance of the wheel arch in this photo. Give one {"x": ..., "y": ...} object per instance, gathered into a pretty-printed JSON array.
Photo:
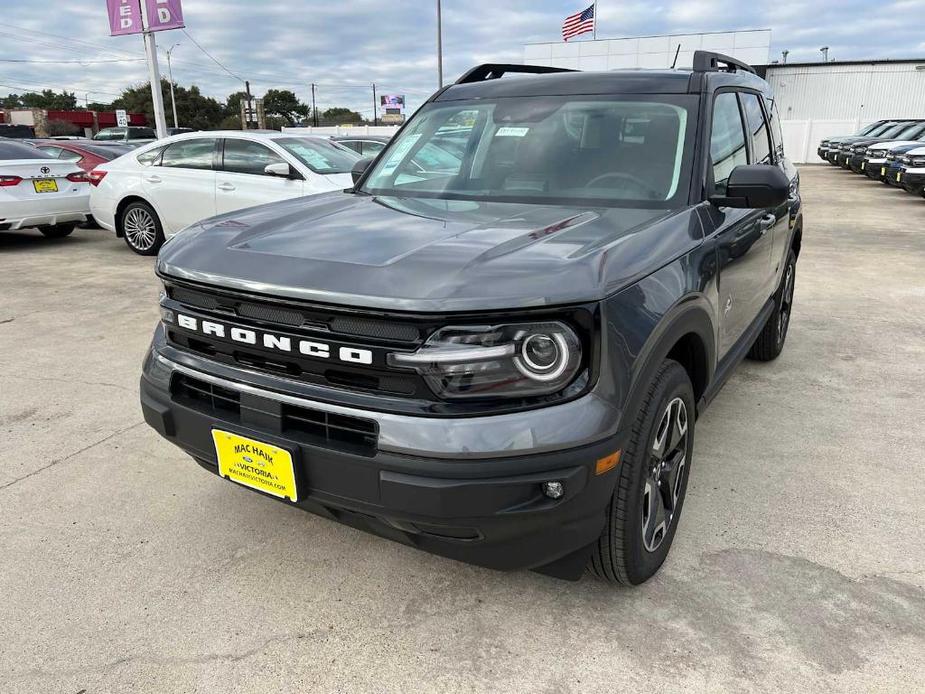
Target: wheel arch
[
  {"x": 796, "y": 240},
  {"x": 687, "y": 335},
  {"x": 125, "y": 202}
]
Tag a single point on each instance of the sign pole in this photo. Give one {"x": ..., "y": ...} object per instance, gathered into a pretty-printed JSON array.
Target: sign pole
[
  {"x": 439, "y": 46},
  {"x": 594, "y": 32},
  {"x": 154, "y": 74}
]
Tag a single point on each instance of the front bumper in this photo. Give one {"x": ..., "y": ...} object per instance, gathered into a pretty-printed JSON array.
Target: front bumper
[
  {"x": 487, "y": 509},
  {"x": 855, "y": 162},
  {"x": 874, "y": 168},
  {"x": 913, "y": 180}
]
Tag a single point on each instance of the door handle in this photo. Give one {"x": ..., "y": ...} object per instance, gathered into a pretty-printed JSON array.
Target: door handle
[
  {"x": 766, "y": 223},
  {"x": 225, "y": 186},
  {"x": 153, "y": 179}
]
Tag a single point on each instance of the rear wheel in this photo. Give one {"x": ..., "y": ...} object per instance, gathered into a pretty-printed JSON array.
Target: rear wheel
[
  {"x": 643, "y": 513},
  {"x": 57, "y": 231},
  {"x": 770, "y": 342},
  {"x": 141, "y": 228}
]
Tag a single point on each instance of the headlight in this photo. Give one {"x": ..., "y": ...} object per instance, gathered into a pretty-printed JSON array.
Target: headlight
[{"x": 511, "y": 360}]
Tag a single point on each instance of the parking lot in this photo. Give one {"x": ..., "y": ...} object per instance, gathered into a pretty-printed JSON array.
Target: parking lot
[{"x": 798, "y": 564}]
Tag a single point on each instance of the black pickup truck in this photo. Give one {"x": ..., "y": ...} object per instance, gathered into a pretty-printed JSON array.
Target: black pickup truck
[{"x": 495, "y": 345}]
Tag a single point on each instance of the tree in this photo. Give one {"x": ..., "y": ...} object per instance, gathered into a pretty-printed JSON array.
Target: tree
[
  {"x": 193, "y": 109},
  {"x": 284, "y": 104},
  {"x": 46, "y": 99},
  {"x": 230, "y": 123},
  {"x": 338, "y": 115},
  {"x": 99, "y": 106},
  {"x": 233, "y": 104}
]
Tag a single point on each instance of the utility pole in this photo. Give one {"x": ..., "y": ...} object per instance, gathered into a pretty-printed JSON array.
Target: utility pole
[
  {"x": 314, "y": 110},
  {"x": 375, "y": 112},
  {"x": 154, "y": 74},
  {"x": 173, "y": 100},
  {"x": 439, "y": 47},
  {"x": 247, "y": 106}
]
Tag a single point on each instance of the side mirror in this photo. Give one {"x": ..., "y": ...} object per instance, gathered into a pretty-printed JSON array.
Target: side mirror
[
  {"x": 359, "y": 168},
  {"x": 754, "y": 186},
  {"x": 281, "y": 169}
]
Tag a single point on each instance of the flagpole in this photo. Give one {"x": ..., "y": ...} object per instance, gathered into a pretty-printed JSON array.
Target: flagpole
[{"x": 594, "y": 33}]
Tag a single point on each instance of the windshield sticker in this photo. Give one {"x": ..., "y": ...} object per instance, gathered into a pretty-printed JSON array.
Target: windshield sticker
[
  {"x": 401, "y": 149},
  {"x": 509, "y": 131}
]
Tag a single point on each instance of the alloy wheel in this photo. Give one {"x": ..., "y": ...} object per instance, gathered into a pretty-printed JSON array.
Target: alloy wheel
[
  {"x": 665, "y": 474},
  {"x": 786, "y": 302},
  {"x": 140, "y": 229}
]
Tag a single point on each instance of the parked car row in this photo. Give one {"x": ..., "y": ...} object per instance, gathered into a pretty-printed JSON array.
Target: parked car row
[{"x": 890, "y": 151}]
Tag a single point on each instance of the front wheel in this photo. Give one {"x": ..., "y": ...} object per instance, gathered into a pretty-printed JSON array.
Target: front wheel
[
  {"x": 141, "y": 228},
  {"x": 643, "y": 513},
  {"x": 770, "y": 342}
]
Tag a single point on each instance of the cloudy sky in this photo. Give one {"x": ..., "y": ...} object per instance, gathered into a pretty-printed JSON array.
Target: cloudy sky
[{"x": 340, "y": 45}]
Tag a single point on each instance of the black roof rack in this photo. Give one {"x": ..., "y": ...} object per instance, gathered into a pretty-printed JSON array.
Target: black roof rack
[
  {"x": 707, "y": 61},
  {"x": 492, "y": 71}
]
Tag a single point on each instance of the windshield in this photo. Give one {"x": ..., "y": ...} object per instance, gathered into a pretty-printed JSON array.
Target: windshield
[
  {"x": 911, "y": 132},
  {"x": 896, "y": 129},
  {"x": 628, "y": 151},
  {"x": 321, "y": 156}
]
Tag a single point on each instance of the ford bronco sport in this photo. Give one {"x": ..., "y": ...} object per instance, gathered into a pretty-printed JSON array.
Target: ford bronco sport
[{"x": 495, "y": 346}]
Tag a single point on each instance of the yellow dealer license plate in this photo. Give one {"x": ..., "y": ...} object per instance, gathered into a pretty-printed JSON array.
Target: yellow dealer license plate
[
  {"x": 863, "y": 165},
  {"x": 883, "y": 171},
  {"x": 255, "y": 464},
  {"x": 899, "y": 176},
  {"x": 45, "y": 185}
]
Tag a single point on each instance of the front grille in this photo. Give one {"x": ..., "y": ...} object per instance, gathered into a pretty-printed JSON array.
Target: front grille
[
  {"x": 314, "y": 427},
  {"x": 206, "y": 397},
  {"x": 330, "y": 430},
  {"x": 293, "y": 316}
]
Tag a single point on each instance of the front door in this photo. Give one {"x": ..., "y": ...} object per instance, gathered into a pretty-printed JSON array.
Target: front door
[
  {"x": 743, "y": 237},
  {"x": 242, "y": 182}
]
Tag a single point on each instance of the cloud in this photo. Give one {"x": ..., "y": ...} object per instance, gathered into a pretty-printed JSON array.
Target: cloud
[{"x": 345, "y": 47}]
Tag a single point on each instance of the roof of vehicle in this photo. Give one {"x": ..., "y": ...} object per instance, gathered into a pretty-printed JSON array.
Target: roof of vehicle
[
  {"x": 484, "y": 81},
  {"x": 347, "y": 138}
]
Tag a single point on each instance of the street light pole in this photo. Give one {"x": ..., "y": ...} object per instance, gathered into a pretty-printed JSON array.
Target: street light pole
[
  {"x": 439, "y": 47},
  {"x": 173, "y": 101}
]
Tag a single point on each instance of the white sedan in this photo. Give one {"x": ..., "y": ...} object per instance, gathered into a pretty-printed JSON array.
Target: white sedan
[
  {"x": 151, "y": 193},
  {"x": 37, "y": 190}
]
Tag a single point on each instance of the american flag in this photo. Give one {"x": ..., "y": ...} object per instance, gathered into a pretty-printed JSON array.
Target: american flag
[{"x": 578, "y": 23}]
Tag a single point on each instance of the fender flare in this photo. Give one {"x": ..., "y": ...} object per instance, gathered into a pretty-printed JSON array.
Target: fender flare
[{"x": 691, "y": 315}]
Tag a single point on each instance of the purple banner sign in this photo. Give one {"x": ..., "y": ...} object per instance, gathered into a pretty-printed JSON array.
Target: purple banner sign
[
  {"x": 124, "y": 17},
  {"x": 164, "y": 14}
]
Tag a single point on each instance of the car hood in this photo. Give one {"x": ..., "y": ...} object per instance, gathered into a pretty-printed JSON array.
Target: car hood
[
  {"x": 426, "y": 254},
  {"x": 893, "y": 145}
]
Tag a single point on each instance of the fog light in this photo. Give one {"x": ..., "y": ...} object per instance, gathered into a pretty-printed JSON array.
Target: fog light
[{"x": 554, "y": 490}]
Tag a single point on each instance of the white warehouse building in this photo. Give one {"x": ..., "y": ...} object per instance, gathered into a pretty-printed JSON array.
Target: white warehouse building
[{"x": 815, "y": 100}]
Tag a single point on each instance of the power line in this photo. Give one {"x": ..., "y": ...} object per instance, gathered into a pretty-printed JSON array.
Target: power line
[
  {"x": 76, "y": 62},
  {"x": 214, "y": 59}
]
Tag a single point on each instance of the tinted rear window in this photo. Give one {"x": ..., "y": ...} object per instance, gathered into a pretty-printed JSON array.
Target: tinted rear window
[
  {"x": 108, "y": 153},
  {"x": 17, "y": 150}
]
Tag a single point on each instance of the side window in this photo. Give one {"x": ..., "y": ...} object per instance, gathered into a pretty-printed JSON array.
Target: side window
[
  {"x": 53, "y": 151},
  {"x": 371, "y": 148},
  {"x": 758, "y": 127},
  {"x": 151, "y": 157},
  {"x": 776, "y": 134},
  {"x": 727, "y": 140},
  {"x": 247, "y": 157},
  {"x": 190, "y": 154},
  {"x": 68, "y": 155},
  {"x": 355, "y": 145}
]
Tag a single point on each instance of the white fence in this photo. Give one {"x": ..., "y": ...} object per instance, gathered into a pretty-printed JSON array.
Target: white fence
[
  {"x": 387, "y": 130},
  {"x": 801, "y": 137}
]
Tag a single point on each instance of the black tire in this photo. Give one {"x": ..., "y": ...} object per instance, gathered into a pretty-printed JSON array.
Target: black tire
[
  {"x": 57, "y": 231},
  {"x": 770, "y": 342},
  {"x": 141, "y": 228},
  {"x": 622, "y": 554}
]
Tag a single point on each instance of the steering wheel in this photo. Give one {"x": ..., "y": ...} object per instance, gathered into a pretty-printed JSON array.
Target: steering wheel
[{"x": 649, "y": 192}]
